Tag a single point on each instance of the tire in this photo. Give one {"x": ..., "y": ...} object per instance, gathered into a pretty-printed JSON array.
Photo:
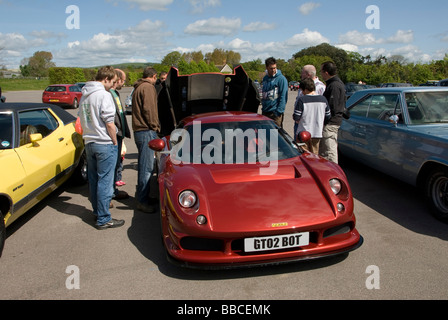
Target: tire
[
  {"x": 75, "y": 104},
  {"x": 2, "y": 233},
  {"x": 79, "y": 176},
  {"x": 437, "y": 193}
]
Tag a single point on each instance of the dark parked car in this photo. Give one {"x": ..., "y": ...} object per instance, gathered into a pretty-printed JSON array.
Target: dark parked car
[
  {"x": 443, "y": 83},
  {"x": 294, "y": 85},
  {"x": 62, "y": 95},
  {"x": 351, "y": 88},
  {"x": 402, "y": 132},
  {"x": 128, "y": 103},
  {"x": 395, "y": 84}
]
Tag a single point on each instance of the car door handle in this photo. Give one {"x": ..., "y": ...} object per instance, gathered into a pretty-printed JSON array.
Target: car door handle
[{"x": 61, "y": 139}]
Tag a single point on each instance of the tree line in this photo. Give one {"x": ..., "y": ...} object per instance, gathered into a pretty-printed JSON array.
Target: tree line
[{"x": 352, "y": 66}]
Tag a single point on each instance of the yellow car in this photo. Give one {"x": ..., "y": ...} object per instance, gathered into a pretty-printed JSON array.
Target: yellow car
[{"x": 39, "y": 150}]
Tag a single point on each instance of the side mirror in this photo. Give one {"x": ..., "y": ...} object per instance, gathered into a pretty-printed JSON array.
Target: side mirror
[
  {"x": 35, "y": 137},
  {"x": 157, "y": 145},
  {"x": 394, "y": 119}
]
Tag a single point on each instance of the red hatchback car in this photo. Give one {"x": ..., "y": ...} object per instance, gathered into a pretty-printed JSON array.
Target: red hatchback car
[
  {"x": 63, "y": 95},
  {"x": 236, "y": 190}
]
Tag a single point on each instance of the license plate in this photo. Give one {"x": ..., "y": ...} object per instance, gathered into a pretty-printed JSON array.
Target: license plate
[
  {"x": 54, "y": 100},
  {"x": 277, "y": 242}
]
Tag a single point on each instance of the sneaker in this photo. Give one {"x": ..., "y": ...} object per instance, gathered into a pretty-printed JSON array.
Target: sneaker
[
  {"x": 145, "y": 208},
  {"x": 114, "y": 223},
  {"x": 120, "y": 183}
]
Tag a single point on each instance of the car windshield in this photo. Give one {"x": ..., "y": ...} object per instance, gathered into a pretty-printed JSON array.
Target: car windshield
[
  {"x": 5, "y": 131},
  {"x": 55, "y": 89},
  {"x": 427, "y": 107},
  {"x": 233, "y": 143}
]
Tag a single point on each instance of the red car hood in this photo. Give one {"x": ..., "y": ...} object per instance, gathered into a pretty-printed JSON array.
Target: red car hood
[{"x": 238, "y": 199}]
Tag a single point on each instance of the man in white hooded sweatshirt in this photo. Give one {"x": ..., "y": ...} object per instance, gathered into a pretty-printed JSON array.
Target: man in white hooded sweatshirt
[{"x": 97, "y": 114}]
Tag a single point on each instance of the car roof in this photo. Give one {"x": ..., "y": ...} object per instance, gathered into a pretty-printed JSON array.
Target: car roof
[
  {"x": 403, "y": 89},
  {"x": 358, "y": 95},
  {"x": 25, "y": 106}
]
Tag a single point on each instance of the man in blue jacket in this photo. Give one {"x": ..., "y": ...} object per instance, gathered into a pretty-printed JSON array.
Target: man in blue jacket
[{"x": 275, "y": 92}]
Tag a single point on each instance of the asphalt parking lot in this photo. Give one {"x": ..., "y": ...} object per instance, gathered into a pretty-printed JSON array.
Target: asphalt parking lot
[{"x": 54, "y": 251}]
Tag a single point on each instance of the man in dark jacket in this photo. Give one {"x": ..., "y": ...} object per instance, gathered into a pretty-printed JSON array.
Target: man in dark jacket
[
  {"x": 145, "y": 124},
  {"x": 335, "y": 94}
]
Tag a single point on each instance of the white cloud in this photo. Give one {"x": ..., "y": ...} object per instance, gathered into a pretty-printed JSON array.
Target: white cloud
[
  {"x": 410, "y": 53},
  {"x": 367, "y": 39},
  {"x": 261, "y": 50},
  {"x": 348, "y": 47},
  {"x": 143, "y": 41},
  {"x": 200, "y": 5},
  {"x": 214, "y": 26},
  {"x": 358, "y": 38},
  {"x": 259, "y": 26},
  {"x": 147, "y": 5},
  {"x": 401, "y": 36},
  {"x": 306, "y": 39},
  {"x": 308, "y": 7},
  {"x": 14, "y": 41}
]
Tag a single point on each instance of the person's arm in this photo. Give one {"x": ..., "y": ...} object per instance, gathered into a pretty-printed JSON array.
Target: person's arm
[
  {"x": 339, "y": 100},
  {"x": 112, "y": 131},
  {"x": 282, "y": 96},
  {"x": 298, "y": 111}
]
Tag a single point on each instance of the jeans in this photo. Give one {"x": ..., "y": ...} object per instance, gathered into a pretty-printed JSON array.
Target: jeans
[
  {"x": 101, "y": 161},
  {"x": 145, "y": 163}
]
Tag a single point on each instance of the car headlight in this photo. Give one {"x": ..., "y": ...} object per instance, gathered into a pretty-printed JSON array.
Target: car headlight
[
  {"x": 336, "y": 186},
  {"x": 187, "y": 199}
]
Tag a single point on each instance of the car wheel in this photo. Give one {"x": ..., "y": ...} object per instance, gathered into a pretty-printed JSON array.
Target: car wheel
[
  {"x": 79, "y": 177},
  {"x": 437, "y": 193},
  {"x": 2, "y": 233},
  {"x": 75, "y": 104}
]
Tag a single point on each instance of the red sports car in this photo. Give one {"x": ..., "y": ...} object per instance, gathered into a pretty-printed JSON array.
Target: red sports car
[{"x": 236, "y": 190}]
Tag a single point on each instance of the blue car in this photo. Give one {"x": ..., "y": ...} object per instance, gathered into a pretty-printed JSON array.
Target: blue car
[{"x": 402, "y": 132}]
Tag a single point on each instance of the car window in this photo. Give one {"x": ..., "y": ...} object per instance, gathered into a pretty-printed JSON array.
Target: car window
[
  {"x": 427, "y": 107},
  {"x": 377, "y": 106},
  {"x": 382, "y": 106},
  {"x": 6, "y": 128},
  {"x": 361, "y": 108},
  {"x": 35, "y": 121},
  {"x": 75, "y": 89},
  {"x": 56, "y": 89}
]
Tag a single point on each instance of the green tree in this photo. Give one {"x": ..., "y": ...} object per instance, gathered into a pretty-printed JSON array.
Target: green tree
[
  {"x": 339, "y": 56},
  {"x": 39, "y": 64},
  {"x": 172, "y": 59}
]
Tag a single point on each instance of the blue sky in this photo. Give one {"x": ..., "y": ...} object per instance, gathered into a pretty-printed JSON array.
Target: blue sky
[{"x": 116, "y": 31}]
